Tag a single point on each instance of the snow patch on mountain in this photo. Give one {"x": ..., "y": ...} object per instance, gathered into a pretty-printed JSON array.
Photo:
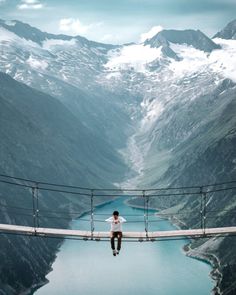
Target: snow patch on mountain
[
  {"x": 113, "y": 75},
  {"x": 134, "y": 57},
  {"x": 192, "y": 60},
  {"x": 151, "y": 111},
  {"x": 221, "y": 61},
  {"x": 6, "y": 35},
  {"x": 49, "y": 43},
  {"x": 37, "y": 64},
  {"x": 10, "y": 23},
  {"x": 224, "y": 61},
  {"x": 9, "y": 37}
]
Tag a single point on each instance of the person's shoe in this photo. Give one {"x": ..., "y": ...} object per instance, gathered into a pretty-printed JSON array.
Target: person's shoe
[
  {"x": 114, "y": 252},
  {"x": 117, "y": 252}
]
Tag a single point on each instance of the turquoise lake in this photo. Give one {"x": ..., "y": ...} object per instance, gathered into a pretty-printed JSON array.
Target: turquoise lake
[{"x": 89, "y": 268}]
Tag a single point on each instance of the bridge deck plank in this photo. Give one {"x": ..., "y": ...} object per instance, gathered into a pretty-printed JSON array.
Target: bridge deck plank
[{"x": 55, "y": 232}]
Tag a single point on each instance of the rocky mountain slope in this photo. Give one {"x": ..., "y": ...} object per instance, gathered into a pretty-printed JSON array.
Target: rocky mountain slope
[
  {"x": 187, "y": 137},
  {"x": 229, "y": 32},
  {"x": 186, "y": 133},
  {"x": 41, "y": 139}
]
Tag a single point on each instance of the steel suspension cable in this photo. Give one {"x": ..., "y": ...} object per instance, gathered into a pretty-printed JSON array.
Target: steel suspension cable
[{"x": 112, "y": 189}]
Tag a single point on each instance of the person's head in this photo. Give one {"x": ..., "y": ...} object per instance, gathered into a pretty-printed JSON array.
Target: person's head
[{"x": 115, "y": 214}]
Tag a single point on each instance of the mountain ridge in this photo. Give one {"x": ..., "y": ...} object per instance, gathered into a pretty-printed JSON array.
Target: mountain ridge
[
  {"x": 194, "y": 38},
  {"x": 228, "y": 32},
  {"x": 29, "y": 32}
]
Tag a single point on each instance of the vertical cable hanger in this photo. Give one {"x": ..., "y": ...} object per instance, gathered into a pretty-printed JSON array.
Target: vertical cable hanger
[
  {"x": 92, "y": 215},
  {"x": 37, "y": 204},
  {"x": 204, "y": 211},
  {"x": 34, "y": 207},
  {"x": 201, "y": 206},
  {"x": 145, "y": 203}
]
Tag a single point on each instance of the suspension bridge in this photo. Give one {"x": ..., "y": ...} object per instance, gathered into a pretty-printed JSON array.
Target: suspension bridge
[{"x": 205, "y": 193}]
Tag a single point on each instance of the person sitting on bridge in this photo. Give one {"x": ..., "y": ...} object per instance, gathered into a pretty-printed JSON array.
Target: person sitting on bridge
[{"x": 116, "y": 230}]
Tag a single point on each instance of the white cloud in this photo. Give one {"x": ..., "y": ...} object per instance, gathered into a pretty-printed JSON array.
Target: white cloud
[
  {"x": 154, "y": 30},
  {"x": 74, "y": 26},
  {"x": 107, "y": 37},
  {"x": 30, "y": 1},
  {"x": 2, "y": 1},
  {"x": 110, "y": 38},
  {"x": 30, "y": 4}
]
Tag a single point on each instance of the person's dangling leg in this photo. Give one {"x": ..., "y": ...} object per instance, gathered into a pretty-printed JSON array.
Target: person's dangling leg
[
  {"x": 113, "y": 243},
  {"x": 119, "y": 236}
]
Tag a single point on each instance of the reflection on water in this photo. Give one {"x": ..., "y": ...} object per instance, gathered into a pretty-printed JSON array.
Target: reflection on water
[{"x": 89, "y": 268}]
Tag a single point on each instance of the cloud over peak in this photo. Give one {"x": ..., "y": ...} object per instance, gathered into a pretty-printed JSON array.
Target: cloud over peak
[
  {"x": 30, "y": 4},
  {"x": 154, "y": 30},
  {"x": 75, "y": 26}
]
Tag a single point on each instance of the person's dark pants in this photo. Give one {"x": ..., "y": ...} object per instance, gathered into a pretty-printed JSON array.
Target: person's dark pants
[{"x": 118, "y": 235}]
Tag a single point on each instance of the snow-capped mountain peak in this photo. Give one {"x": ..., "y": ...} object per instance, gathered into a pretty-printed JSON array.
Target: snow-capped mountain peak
[
  {"x": 190, "y": 37},
  {"x": 229, "y": 32}
]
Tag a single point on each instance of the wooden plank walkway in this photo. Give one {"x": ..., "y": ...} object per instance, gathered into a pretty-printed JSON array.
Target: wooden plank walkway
[{"x": 54, "y": 232}]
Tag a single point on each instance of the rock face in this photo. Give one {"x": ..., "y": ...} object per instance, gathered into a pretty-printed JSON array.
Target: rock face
[
  {"x": 196, "y": 39},
  {"x": 91, "y": 113},
  {"x": 42, "y": 139},
  {"x": 229, "y": 32},
  {"x": 190, "y": 37},
  {"x": 37, "y": 126}
]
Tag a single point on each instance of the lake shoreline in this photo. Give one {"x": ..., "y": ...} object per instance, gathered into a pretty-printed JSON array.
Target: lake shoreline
[{"x": 214, "y": 262}]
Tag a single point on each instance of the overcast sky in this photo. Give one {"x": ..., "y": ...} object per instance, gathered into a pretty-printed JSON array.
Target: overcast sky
[{"x": 119, "y": 21}]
